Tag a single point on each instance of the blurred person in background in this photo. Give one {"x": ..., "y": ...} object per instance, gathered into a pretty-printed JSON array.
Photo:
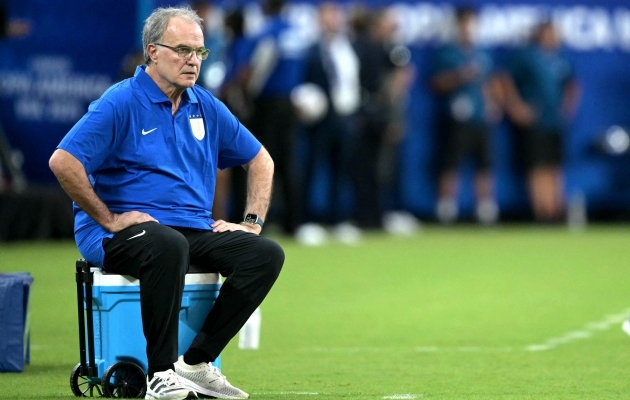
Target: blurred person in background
[
  {"x": 540, "y": 95},
  {"x": 237, "y": 55},
  {"x": 140, "y": 167},
  {"x": 11, "y": 176},
  {"x": 12, "y": 27},
  {"x": 332, "y": 65},
  {"x": 275, "y": 69},
  {"x": 130, "y": 62},
  {"x": 385, "y": 75},
  {"x": 462, "y": 82},
  {"x": 231, "y": 196},
  {"x": 212, "y": 73},
  {"x": 211, "y": 77}
]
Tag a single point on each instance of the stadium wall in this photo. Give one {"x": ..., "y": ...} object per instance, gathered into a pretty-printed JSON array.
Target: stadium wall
[{"x": 74, "y": 53}]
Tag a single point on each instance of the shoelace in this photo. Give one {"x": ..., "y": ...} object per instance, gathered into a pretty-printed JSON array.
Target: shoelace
[
  {"x": 215, "y": 371},
  {"x": 172, "y": 380}
]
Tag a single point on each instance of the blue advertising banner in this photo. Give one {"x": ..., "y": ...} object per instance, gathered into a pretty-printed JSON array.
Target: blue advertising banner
[
  {"x": 75, "y": 49},
  {"x": 48, "y": 77}
]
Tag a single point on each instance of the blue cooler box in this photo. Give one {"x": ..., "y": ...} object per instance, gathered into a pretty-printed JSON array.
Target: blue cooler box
[{"x": 118, "y": 332}]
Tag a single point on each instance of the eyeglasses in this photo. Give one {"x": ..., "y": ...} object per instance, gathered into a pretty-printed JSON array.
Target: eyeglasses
[{"x": 185, "y": 52}]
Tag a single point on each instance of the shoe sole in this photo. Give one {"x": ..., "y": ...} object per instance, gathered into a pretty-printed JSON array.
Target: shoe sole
[
  {"x": 189, "y": 395},
  {"x": 626, "y": 326},
  {"x": 207, "y": 392}
]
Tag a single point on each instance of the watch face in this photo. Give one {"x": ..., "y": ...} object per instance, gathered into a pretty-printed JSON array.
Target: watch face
[{"x": 253, "y": 219}]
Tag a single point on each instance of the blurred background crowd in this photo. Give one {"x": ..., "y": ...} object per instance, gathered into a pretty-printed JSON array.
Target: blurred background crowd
[{"x": 378, "y": 115}]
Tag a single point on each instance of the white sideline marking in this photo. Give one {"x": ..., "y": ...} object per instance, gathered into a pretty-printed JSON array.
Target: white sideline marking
[
  {"x": 464, "y": 349},
  {"x": 347, "y": 349},
  {"x": 403, "y": 396},
  {"x": 585, "y": 333},
  {"x": 287, "y": 393},
  {"x": 302, "y": 393},
  {"x": 420, "y": 349}
]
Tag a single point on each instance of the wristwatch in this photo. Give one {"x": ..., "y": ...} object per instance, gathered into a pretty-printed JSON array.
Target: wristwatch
[{"x": 253, "y": 219}]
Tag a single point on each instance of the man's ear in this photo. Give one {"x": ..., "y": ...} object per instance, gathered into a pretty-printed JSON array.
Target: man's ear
[{"x": 152, "y": 50}]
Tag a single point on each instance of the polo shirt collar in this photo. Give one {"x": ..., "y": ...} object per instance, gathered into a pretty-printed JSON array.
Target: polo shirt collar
[{"x": 153, "y": 92}]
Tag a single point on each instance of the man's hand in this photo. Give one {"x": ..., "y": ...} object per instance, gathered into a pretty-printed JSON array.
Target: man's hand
[
  {"x": 522, "y": 113},
  {"x": 127, "y": 219},
  {"x": 74, "y": 180},
  {"x": 223, "y": 226}
]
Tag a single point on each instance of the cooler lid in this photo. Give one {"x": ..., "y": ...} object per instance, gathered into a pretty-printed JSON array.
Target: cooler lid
[{"x": 103, "y": 279}]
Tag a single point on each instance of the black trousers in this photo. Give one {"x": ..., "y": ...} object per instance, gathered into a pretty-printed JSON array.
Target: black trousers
[
  {"x": 159, "y": 256},
  {"x": 332, "y": 141},
  {"x": 371, "y": 130}
]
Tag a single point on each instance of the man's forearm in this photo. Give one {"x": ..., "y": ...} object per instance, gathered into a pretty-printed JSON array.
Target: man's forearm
[
  {"x": 259, "y": 184},
  {"x": 74, "y": 180}
]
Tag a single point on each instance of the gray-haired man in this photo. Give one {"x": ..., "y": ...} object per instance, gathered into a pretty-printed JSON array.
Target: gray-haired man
[{"x": 141, "y": 168}]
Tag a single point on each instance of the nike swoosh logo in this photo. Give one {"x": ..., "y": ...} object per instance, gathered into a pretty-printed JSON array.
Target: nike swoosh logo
[
  {"x": 147, "y": 132},
  {"x": 138, "y": 235}
]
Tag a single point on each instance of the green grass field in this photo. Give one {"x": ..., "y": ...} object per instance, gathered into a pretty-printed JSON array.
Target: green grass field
[{"x": 461, "y": 313}]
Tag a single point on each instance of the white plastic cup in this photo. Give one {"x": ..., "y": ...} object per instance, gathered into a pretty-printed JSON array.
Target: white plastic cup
[
  {"x": 577, "y": 214},
  {"x": 249, "y": 337}
]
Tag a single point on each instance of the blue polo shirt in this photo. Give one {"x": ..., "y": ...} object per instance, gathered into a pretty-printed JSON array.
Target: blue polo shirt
[
  {"x": 465, "y": 103},
  {"x": 139, "y": 157},
  {"x": 540, "y": 77}
]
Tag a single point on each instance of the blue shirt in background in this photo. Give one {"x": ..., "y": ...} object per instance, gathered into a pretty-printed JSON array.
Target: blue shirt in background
[
  {"x": 291, "y": 48},
  {"x": 540, "y": 77},
  {"x": 238, "y": 54},
  {"x": 140, "y": 157},
  {"x": 465, "y": 103}
]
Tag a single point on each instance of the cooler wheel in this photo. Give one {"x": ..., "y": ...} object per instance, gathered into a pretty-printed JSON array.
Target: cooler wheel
[
  {"x": 83, "y": 386},
  {"x": 124, "y": 379}
]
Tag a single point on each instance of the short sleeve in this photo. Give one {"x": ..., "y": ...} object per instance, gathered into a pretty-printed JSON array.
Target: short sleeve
[
  {"x": 91, "y": 139},
  {"x": 444, "y": 59},
  {"x": 237, "y": 145}
]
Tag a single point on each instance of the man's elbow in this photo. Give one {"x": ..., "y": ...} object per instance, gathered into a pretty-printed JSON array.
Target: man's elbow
[
  {"x": 261, "y": 162},
  {"x": 268, "y": 161},
  {"x": 54, "y": 163},
  {"x": 59, "y": 162}
]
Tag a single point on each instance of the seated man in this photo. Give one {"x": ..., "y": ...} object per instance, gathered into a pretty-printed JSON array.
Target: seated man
[{"x": 141, "y": 168}]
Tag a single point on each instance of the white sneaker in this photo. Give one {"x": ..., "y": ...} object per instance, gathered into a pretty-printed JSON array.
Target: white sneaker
[
  {"x": 447, "y": 210},
  {"x": 311, "y": 234},
  {"x": 206, "y": 379},
  {"x": 626, "y": 326},
  {"x": 487, "y": 211},
  {"x": 400, "y": 223},
  {"x": 167, "y": 385},
  {"x": 347, "y": 233}
]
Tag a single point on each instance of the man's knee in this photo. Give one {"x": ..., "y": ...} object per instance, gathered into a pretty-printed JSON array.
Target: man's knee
[
  {"x": 165, "y": 250},
  {"x": 169, "y": 248},
  {"x": 273, "y": 254}
]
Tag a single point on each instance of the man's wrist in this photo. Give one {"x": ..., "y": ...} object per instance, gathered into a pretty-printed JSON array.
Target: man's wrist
[
  {"x": 109, "y": 223},
  {"x": 253, "y": 219},
  {"x": 254, "y": 228}
]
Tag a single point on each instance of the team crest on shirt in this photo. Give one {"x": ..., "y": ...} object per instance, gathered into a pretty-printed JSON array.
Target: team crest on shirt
[{"x": 196, "y": 124}]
